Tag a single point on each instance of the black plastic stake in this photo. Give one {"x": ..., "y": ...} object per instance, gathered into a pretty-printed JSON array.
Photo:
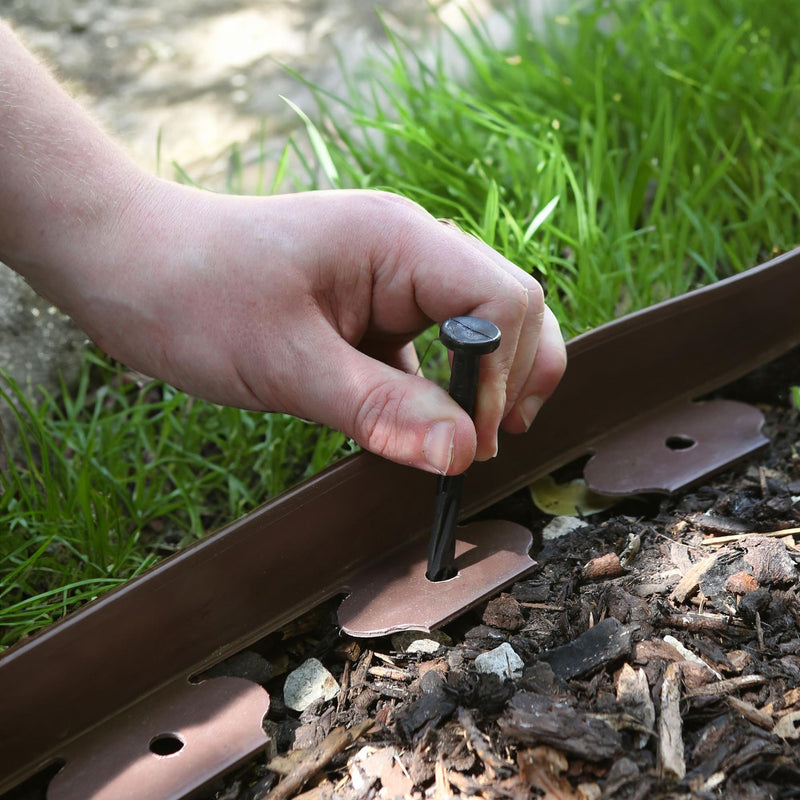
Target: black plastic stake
[{"x": 469, "y": 338}]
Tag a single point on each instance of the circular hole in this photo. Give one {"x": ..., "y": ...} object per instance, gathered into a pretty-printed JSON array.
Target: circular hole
[
  {"x": 680, "y": 442},
  {"x": 166, "y": 744},
  {"x": 447, "y": 575}
]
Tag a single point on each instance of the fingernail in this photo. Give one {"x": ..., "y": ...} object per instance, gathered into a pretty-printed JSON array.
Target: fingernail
[
  {"x": 529, "y": 408},
  {"x": 438, "y": 446}
]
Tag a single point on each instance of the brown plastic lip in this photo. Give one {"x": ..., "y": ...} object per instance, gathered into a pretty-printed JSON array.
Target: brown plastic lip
[{"x": 290, "y": 554}]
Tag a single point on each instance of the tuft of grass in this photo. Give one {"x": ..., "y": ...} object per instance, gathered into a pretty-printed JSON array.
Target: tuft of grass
[
  {"x": 621, "y": 152},
  {"x": 115, "y": 474}
]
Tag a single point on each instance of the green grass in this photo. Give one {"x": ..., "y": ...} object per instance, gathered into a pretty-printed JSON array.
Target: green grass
[
  {"x": 626, "y": 152},
  {"x": 114, "y": 475}
]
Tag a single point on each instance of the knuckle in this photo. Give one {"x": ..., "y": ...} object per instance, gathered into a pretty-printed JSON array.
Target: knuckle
[{"x": 377, "y": 417}]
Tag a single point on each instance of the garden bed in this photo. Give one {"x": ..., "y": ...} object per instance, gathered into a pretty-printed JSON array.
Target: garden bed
[{"x": 661, "y": 652}]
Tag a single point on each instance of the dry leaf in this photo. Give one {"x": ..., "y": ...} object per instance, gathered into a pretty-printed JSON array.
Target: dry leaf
[{"x": 568, "y": 499}]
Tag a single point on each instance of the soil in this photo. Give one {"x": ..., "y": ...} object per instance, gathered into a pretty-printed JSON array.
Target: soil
[{"x": 661, "y": 653}]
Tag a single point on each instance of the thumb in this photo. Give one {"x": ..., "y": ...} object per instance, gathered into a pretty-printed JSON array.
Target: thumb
[{"x": 405, "y": 418}]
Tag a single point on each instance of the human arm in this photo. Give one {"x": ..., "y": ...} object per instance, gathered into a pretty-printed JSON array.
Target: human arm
[{"x": 301, "y": 303}]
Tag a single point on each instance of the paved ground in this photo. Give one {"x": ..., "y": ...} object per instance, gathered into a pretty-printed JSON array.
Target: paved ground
[{"x": 207, "y": 73}]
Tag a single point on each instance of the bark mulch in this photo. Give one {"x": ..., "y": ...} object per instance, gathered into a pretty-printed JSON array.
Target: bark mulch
[{"x": 660, "y": 651}]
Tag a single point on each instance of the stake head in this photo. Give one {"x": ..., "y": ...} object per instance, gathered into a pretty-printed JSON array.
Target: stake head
[{"x": 473, "y": 335}]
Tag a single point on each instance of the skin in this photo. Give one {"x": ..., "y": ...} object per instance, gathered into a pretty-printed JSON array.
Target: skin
[{"x": 304, "y": 303}]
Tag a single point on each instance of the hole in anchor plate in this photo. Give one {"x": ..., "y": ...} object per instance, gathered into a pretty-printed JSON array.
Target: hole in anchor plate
[
  {"x": 444, "y": 575},
  {"x": 166, "y": 744},
  {"x": 679, "y": 442}
]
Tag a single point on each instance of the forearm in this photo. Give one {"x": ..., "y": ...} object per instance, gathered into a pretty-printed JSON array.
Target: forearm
[{"x": 64, "y": 184}]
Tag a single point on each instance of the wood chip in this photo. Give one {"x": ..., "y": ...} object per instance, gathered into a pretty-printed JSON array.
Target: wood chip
[
  {"x": 541, "y": 768},
  {"x": 788, "y": 726},
  {"x": 504, "y": 613},
  {"x": 738, "y": 660},
  {"x": 670, "y": 726},
  {"x": 790, "y": 699},
  {"x": 601, "y": 644},
  {"x": 688, "y": 584},
  {"x": 633, "y": 692},
  {"x": 771, "y": 562},
  {"x": 442, "y": 790},
  {"x": 655, "y": 650},
  {"x": 315, "y": 761},
  {"x": 690, "y": 656},
  {"x": 603, "y": 568},
  {"x": 535, "y": 719},
  {"x": 741, "y": 583},
  {"x": 493, "y": 765}
]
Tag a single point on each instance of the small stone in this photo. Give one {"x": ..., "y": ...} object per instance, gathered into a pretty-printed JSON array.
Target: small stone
[
  {"x": 561, "y": 526},
  {"x": 427, "y": 646},
  {"x": 308, "y": 683},
  {"x": 420, "y": 641},
  {"x": 502, "y": 661}
]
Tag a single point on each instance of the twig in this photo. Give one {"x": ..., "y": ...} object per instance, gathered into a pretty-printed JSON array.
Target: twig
[
  {"x": 750, "y": 712},
  {"x": 392, "y": 673},
  {"x": 759, "y": 632},
  {"x": 727, "y": 686},
  {"x": 736, "y": 537},
  {"x": 703, "y": 623},
  {"x": 334, "y": 743},
  {"x": 344, "y": 688}
]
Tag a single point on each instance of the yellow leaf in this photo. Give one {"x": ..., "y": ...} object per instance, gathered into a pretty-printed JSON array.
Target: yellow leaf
[{"x": 568, "y": 499}]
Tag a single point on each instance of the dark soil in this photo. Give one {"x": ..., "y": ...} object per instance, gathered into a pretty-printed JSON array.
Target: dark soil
[{"x": 604, "y": 691}]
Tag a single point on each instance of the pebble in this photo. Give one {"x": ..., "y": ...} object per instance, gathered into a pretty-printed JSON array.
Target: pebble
[
  {"x": 561, "y": 526},
  {"x": 502, "y": 661},
  {"x": 420, "y": 642},
  {"x": 308, "y": 683}
]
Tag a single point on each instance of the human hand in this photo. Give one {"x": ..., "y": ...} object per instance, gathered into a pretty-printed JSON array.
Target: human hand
[
  {"x": 303, "y": 303},
  {"x": 308, "y": 304}
]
